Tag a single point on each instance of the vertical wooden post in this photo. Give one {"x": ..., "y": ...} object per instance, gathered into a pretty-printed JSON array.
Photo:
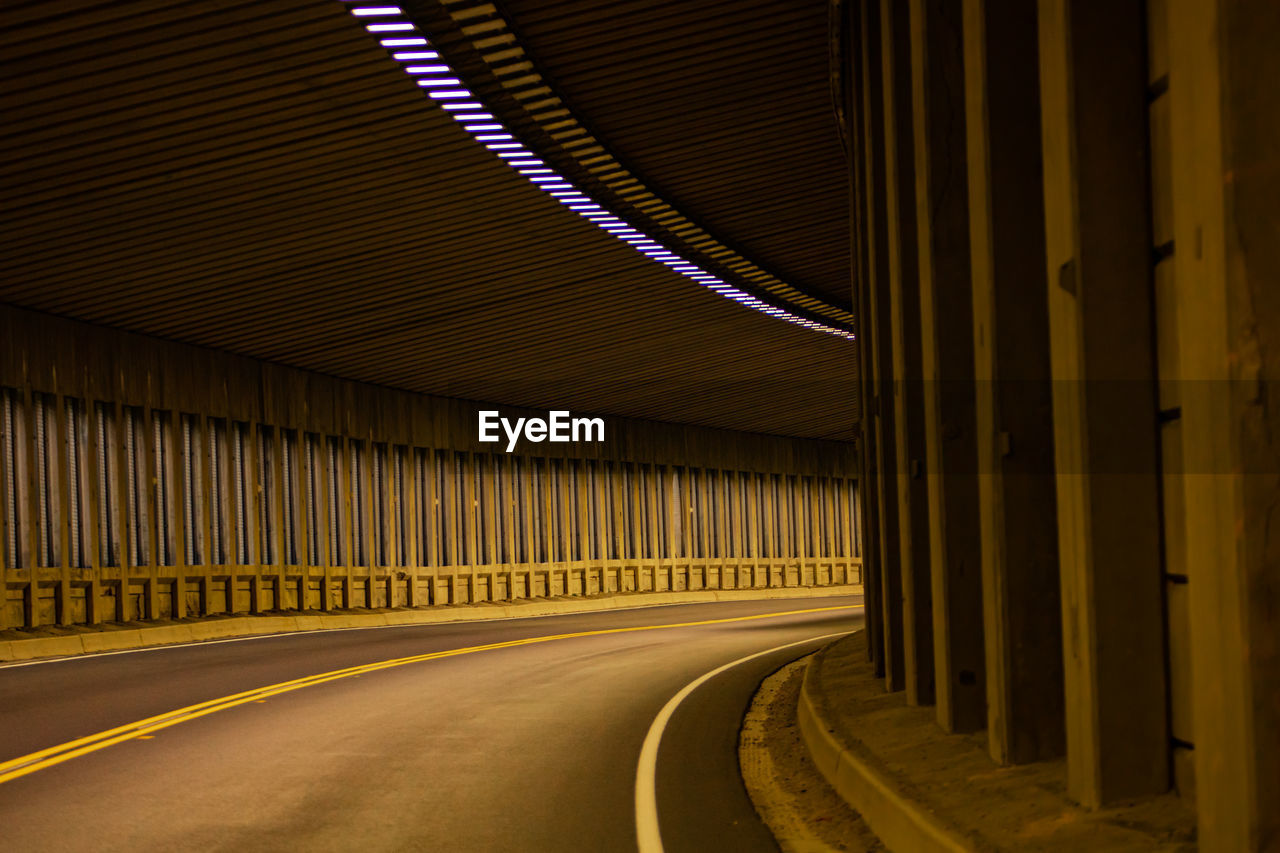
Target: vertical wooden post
[
  {"x": 451, "y": 547},
  {"x": 63, "y": 497},
  {"x": 1093, "y": 100},
  {"x": 509, "y": 522},
  {"x": 879, "y": 342},
  {"x": 1224, "y": 122},
  {"x": 1021, "y": 600},
  {"x": 946, "y": 331},
  {"x": 471, "y": 506},
  {"x": 652, "y": 486},
  {"x": 904, "y": 318},
  {"x": 488, "y": 471}
]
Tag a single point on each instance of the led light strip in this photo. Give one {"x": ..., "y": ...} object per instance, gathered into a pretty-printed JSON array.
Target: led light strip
[
  {"x": 489, "y": 35},
  {"x": 410, "y": 48}
]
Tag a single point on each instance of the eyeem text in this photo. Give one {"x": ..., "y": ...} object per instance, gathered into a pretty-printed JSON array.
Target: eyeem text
[{"x": 558, "y": 427}]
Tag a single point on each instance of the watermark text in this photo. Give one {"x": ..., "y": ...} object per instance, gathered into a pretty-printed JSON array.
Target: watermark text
[{"x": 558, "y": 427}]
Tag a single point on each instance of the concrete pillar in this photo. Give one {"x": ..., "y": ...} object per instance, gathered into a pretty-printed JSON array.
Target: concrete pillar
[
  {"x": 908, "y": 393},
  {"x": 1225, "y": 120},
  {"x": 946, "y": 333},
  {"x": 879, "y": 342},
  {"x": 1018, "y": 514},
  {"x": 1098, "y": 241}
]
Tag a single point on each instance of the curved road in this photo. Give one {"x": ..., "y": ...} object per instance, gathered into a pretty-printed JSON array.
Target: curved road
[{"x": 418, "y": 738}]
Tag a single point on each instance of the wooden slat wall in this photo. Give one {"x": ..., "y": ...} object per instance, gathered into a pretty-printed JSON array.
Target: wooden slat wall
[{"x": 234, "y": 405}]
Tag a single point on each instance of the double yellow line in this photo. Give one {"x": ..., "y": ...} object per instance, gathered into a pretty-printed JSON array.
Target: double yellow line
[{"x": 16, "y": 768}]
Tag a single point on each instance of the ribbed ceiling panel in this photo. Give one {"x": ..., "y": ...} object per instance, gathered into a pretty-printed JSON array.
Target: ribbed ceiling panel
[
  {"x": 722, "y": 107},
  {"x": 260, "y": 178}
]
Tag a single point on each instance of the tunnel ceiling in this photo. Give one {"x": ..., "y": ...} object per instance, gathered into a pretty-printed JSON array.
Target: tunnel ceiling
[
  {"x": 722, "y": 106},
  {"x": 262, "y": 178}
]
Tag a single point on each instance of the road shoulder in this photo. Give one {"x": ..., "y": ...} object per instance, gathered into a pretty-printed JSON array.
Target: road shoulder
[{"x": 802, "y": 811}]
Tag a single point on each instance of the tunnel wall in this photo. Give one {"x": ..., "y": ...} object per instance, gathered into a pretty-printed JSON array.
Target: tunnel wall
[
  {"x": 1093, "y": 258},
  {"x": 142, "y": 479}
]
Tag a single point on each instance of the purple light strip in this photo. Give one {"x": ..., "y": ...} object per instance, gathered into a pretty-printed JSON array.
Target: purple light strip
[{"x": 443, "y": 86}]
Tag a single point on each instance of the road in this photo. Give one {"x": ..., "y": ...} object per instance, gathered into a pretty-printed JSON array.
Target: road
[{"x": 420, "y": 738}]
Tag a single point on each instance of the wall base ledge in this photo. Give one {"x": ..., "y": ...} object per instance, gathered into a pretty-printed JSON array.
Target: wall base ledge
[
  {"x": 921, "y": 789},
  {"x": 108, "y": 638}
]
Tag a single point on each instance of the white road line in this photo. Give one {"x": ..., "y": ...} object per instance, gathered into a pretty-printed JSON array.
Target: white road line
[{"x": 648, "y": 837}]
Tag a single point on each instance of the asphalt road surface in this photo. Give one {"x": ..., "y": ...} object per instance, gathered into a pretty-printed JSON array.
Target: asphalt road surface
[{"x": 406, "y": 738}]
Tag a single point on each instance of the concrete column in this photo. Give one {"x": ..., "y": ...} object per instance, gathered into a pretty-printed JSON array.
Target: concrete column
[
  {"x": 1018, "y": 520},
  {"x": 879, "y": 340},
  {"x": 946, "y": 334},
  {"x": 1225, "y": 120},
  {"x": 1093, "y": 99},
  {"x": 908, "y": 396}
]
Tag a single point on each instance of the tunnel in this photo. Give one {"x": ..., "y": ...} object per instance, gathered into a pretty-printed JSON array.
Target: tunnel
[{"x": 657, "y": 424}]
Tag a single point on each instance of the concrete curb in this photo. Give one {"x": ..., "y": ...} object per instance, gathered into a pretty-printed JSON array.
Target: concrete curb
[
  {"x": 900, "y": 822},
  {"x": 257, "y": 626}
]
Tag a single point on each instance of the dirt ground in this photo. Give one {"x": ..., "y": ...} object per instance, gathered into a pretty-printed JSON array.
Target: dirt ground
[{"x": 796, "y": 803}]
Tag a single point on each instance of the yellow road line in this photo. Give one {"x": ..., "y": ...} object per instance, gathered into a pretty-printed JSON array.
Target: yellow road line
[{"x": 15, "y": 768}]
